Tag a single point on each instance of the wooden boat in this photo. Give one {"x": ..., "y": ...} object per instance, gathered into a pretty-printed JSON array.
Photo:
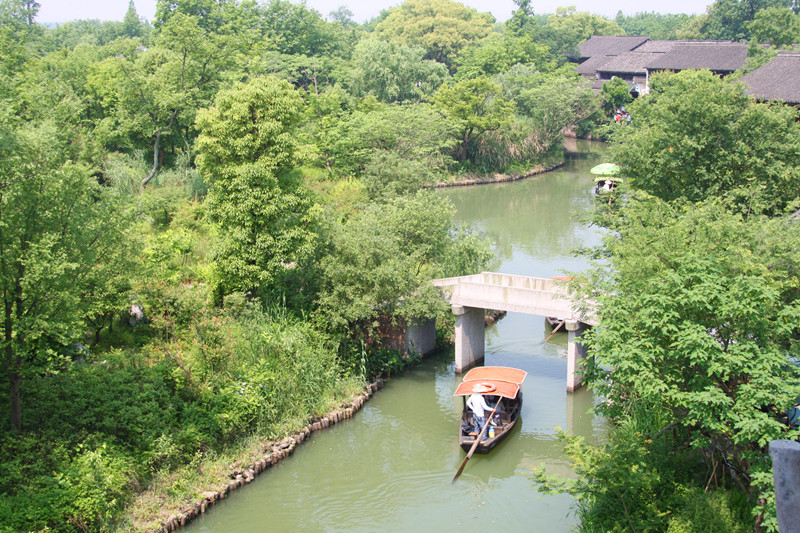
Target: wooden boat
[
  {"x": 494, "y": 383},
  {"x": 606, "y": 184},
  {"x": 554, "y": 321}
]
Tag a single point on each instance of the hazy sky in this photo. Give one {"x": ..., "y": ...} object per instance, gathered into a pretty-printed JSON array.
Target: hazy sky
[{"x": 66, "y": 10}]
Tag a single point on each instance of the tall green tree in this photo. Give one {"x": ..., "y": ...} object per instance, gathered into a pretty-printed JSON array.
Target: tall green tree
[
  {"x": 615, "y": 94},
  {"x": 245, "y": 149},
  {"x": 293, "y": 28},
  {"x": 568, "y": 27},
  {"x": 778, "y": 26},
  {"x": 521, "y": 20},
  {"x": 729, "y": 19},
  {"x": 660, "y": 26},
  {"x": 153, "y": 94},
  {"x": 382, "y": 257},
  {"x": 60, "y": 239},
  {"x": 546, "y": 105},
  {"x": 476, "y": 105},
  {"x": 410, "y": 131},
  {"x": 442, "y": 27},
  {"x": 21, "y": 12},
  {"x": 131, "y": 23},
  {"x": 698, "y": 309},
  {"x": 393, "y": 72},
  {"x": 500, "y": 52}
]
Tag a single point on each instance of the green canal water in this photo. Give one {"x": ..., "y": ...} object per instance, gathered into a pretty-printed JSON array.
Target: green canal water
[{"x": 389, "y": 468}]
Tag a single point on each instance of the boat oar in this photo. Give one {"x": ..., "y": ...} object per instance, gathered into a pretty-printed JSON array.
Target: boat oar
[
  {"x": 554, "y": 330},
  {"x": 477, "y": 441}
]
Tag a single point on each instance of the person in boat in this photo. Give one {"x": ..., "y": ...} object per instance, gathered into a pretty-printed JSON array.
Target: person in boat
[
  {"x": 493, "y": 401},
  {"x": 479, "y": 408}
]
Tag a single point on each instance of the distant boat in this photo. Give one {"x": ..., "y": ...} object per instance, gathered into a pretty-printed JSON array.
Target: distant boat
[
  {"x": 606, "y": 177},
  {"x": 606, "y": 169},
  {"x": 606, "y": 184},
  {"x": 494, "y": 383},
  {"x": 554, "y": 321}
]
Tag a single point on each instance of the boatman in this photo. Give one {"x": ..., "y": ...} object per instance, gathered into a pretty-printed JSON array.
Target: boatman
[{"x": 479, "y": 407}]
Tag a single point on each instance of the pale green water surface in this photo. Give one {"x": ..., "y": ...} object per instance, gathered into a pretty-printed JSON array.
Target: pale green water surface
[{"x": 389, "y": 468}]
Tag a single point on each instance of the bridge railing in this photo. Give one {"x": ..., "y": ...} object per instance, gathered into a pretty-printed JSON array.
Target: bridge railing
[{"x": 509, "y": 292}]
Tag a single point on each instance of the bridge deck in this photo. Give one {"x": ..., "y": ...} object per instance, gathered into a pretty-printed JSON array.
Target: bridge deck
[{"x": 509, "y": 292}]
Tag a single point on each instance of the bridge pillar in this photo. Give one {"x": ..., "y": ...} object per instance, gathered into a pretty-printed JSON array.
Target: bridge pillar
[
  {"x": 575, "y": 352},
  {"x": 470, "y": 341}
]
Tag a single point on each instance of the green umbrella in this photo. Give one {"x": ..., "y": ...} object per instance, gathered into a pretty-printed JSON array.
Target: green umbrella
[{"x": 605, "y": 169}]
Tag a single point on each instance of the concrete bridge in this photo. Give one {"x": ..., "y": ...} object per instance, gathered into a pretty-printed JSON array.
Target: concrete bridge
[{"x": 470, "y": 296}]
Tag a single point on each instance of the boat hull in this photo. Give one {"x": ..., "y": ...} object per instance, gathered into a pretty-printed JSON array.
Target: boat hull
[
  {"x": 554, "y": 321},
  {"x": 509, "y": 419}
]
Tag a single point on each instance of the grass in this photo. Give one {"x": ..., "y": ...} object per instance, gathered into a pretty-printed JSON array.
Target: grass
[{"x": 174, "y": 491}]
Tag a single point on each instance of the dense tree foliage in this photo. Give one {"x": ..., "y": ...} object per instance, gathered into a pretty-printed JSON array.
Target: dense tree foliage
[
  {"x": 567, "y": 28},
  {"x": 698, "y": 136},
  {"x": 245, "y": 148},
  {"x": 381, "y": 257},
  {"x": 778, "y": 26},
  {"x": 657, "y": 26},
  {"x": 441, "y": 27},
  {"x": 697, "y": 287},
  {"x": 476, "y": 105},
  {"x": 730, "y": 19},
  {"x": 393, "y": 72},
  {"x": 698, "y": 308},
  {"x": 60, "y": 241},
  {"x": 203, "y": 219},
  {"x": 615, "y": 95}
]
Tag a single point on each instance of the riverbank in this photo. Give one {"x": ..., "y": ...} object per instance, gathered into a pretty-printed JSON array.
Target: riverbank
[
  {"x": 470, "y": 179},
  {"x": 216, "y": 479}
]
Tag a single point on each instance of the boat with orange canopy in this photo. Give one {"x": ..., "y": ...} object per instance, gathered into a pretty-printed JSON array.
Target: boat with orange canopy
[{"x": 494, "y": 383}]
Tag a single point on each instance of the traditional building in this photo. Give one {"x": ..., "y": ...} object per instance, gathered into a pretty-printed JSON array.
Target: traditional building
[
  {"x": 644, "y": 56},
  {"x": 777, "y": 80},
  {"x": 608, "y": 45}
]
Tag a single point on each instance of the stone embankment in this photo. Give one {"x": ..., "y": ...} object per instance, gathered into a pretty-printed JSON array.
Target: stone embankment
[
  {"x": 272, "y": 453},
  {"x": 495, "y": 178}
]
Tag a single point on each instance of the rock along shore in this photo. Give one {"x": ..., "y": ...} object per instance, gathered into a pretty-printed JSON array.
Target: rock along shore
[
  {"x": 272, "y": 453},
  {"x": 495, "y": 178}
]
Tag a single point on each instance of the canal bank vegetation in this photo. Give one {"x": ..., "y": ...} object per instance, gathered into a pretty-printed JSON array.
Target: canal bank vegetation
[
  {"x": 204, "y": 221},
  {"x": 698, "y": 285}
]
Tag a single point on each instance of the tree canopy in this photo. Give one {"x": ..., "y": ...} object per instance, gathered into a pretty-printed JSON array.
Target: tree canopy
[
  {"x": 393, "y": 72},
  {"x": 697, "y": 136},
  {"x": 442, "y": 27},
  {"x": 246, "y": 146},
  {"x": 62, "y": 237}
]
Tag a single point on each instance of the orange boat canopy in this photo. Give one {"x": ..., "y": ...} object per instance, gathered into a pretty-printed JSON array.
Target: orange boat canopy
[
  {"x": 502, "y": 373},
  {"x": 492, "y": 387}
]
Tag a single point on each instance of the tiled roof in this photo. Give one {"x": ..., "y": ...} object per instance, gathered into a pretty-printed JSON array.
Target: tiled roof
[
  {"x": 777, "y": 80},
  {"x": 592, "y": 65},
  {"x": 628, "y": 63},
  {"x": 715, "y": 56},
  {"x": 657, "y": 46},
  {"x": 610, "y": 45}
]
